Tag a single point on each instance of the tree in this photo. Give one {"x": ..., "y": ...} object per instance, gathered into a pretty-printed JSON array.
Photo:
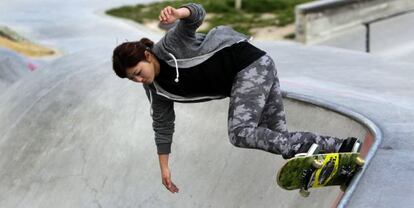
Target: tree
[{"x": 238, "y": 4}]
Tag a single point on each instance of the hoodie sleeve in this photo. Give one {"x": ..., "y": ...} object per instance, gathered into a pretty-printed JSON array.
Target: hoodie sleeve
[
  {"x": 196, "y": 18},
  {"x": 163, "y": 117},
  {"x": 186, "y": 27}
]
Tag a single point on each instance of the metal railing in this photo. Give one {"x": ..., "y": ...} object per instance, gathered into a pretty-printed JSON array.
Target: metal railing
[{"x": 367, "y": 25}]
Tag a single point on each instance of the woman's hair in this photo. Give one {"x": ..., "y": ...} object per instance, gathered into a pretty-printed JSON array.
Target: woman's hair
[{"x": 129, "y": 54}]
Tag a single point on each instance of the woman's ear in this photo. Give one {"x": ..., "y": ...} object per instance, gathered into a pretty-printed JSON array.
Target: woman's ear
[{"x": 148, "y": 56}]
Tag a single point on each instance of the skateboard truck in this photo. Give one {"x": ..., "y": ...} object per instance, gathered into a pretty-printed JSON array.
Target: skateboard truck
[
  {"x": 307, "y": 175},
  {"x": 348, "y": 173}
]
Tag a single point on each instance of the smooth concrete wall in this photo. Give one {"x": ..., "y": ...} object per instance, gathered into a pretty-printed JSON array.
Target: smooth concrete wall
[
  {"x": 302, "y": 116},
  {"x": 319, "y": 20}
]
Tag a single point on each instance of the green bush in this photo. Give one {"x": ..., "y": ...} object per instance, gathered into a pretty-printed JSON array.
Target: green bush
[{"x": 225, "y": 13}]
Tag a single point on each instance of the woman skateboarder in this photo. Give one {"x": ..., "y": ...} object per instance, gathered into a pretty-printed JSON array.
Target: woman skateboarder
[{"x": 185, "y": 66}]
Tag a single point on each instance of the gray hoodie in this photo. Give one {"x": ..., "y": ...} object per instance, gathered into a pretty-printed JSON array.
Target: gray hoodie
[{"x": 182, "y": 47}]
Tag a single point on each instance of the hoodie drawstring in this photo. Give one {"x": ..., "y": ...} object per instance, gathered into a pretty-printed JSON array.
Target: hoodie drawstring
[{"x": 176, "y": 68}]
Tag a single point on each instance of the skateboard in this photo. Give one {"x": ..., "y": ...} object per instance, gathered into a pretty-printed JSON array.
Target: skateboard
[{"x": 319, "y": 170}]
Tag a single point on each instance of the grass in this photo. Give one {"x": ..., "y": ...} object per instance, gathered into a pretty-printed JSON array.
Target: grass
[{"x": 254, "y": 13}]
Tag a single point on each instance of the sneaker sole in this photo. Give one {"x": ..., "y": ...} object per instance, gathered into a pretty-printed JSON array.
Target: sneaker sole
[
  {"x": 356, "y": 147},
  {"x": 314, "y": 149}
]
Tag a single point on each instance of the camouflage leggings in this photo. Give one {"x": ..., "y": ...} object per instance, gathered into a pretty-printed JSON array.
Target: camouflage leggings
[{"x": 257, "y": 118}]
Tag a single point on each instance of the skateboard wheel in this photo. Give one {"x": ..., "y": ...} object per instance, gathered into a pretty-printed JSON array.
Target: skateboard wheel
[
  {"x": 359, "y": 161},
  {"x": 316, "y": 164},
  {"x": 304, "y": 193},
  {"x": 343, "y": 187}
]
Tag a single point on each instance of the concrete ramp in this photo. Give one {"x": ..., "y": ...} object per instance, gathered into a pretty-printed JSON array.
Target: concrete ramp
[{"x": 74, "y": 135}]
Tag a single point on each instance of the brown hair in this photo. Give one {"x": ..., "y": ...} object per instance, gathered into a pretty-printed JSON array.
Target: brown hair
[{"x": 129, "y": 54}]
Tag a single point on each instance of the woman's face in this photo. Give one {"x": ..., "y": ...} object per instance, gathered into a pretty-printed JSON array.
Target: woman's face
[{"x": 145, "y": 71}]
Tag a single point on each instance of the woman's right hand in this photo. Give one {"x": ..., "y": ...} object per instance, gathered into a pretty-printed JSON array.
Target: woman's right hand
[{"x": 166, "y": 180}]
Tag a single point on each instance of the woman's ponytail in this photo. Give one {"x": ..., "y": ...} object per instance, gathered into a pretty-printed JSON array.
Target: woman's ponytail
[{"x": 147, "y": 42}]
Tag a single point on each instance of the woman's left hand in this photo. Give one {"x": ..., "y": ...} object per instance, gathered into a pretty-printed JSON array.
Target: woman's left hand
[{"x": 169, "y": 15}]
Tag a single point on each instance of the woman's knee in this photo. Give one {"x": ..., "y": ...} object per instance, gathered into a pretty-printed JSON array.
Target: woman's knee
[{"x": 234, "y": 136}]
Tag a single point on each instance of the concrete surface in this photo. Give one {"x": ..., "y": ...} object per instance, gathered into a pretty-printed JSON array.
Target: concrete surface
[
  {"x": 69, "y": 26},
  {"x": 12, "y": 67},
  {"x": 73, "y": 135},
  {"x": 82, "y": 138}
]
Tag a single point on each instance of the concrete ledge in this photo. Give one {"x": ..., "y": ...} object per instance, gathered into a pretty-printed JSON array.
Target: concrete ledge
[
  {"x": 317, "y": 6},
  {"x": 317, "y": 21}
]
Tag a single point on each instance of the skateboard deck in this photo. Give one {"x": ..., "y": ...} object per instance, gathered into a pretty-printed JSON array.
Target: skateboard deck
[{"x": 319, "y": 170}]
